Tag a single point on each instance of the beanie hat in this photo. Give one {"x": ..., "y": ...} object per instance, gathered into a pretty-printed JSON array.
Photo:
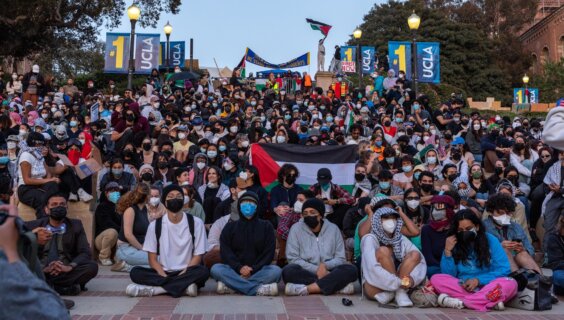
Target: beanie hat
[
  {"x": 315, "y": 204},
  {"x": 170, "y": 188},
  {"x": 248, "y": 196}
]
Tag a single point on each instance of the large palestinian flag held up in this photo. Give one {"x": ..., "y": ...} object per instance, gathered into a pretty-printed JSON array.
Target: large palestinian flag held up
[
  {"x": 316, "y": 25},
  {"x": 268, "y": 158}
]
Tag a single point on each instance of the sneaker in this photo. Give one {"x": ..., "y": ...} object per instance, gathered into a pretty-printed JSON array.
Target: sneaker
[
  {"x": 294, "y": 289},
  {"x": 349, "y": 289},
  {"x": 121, "y": 266},
  {"x": 499, "y": 306},
  {"x": 137, "y": 290},
  {"x": 402, "y": 299},
  {"x": 384, "y": 297},
  {"x": 270, "y": 289},
  {"x": 69, "y": 304},
  {"x": 106, "y": 262},
  {"x": 84, "y": 196},
  {"x": 73, "y": 197},
  {"x": 192, "y": 290},
  {"x": 449, "y": 302},
  {"x": 223, "y": 289}
]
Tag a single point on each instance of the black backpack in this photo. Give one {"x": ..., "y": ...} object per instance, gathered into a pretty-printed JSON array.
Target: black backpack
[{"x": 159, "y": 226}]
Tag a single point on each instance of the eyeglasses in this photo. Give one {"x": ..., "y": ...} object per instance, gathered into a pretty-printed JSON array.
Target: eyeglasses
[
  {"x": 412, "y": 198},
  {"x": 546, "y": 156},
  {"x": 4, "y": 216}
]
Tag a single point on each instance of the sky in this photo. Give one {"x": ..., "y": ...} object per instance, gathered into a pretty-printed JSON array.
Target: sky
[{"x": 275, "y": 30}]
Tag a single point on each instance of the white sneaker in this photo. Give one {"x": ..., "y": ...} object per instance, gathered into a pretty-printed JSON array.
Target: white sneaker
[
  {"x": 499, "y": 306},
  {"x": 293, "y": 289},
  {"x": 73, "y": 197},
  {"x": 121, "y": 266},
  {"x": 270, "y": 289},
  {"x": 84, "y": 196},
  {"x": 192, "y": 290},
  {"x": 137, "y": 290},
  {"x": 223, "y": 289},
  {"x": 402, "y": 299},
  {"x": 106, "y": 262},
  {"x": 384, "y": 297},
  {"x": 349, "y": 289},
  {"x": 449, "y": 302}
]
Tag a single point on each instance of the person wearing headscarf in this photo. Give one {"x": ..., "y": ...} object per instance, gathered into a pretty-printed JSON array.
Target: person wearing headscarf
[
  {"x": 197, "y": 176},
  {"x": 391, "y": 264},
  {"x": 434, "y": 233}
]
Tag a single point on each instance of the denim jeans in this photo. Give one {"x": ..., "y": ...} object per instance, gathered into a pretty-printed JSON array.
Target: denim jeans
[
  {"x": 132, "y": 256},
  {"x": 224, "y": 273},
  {"x": 558, "y": 281}
]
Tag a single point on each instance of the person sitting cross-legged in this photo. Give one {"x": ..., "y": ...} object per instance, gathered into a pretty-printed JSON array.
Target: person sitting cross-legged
[
  {"x": 247, "y": 248},
  {"x": 175, "y": 243},
  {"x": 316, "y": 255}
]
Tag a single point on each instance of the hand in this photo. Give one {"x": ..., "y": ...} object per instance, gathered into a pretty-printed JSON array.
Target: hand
[
  {"x": 407, "y": 282},
  {"x": 518, "y": 247},
  {"x": 331, "y": 202},
  {"x": 162, "y": 273},
  {"x": 471, "y": 284},
  {"x": 449, "y": 245},
  {"x": 56, "y": 180},
  {"x": 43, "y": 235},
  {"x": 246, "y": 271},
  {"x": 183, "y": 271},
  {"x": 554, "y": 187},
  {"x": 322, "y": 271},
  {"x": 62, "y": 267},
  {"x": 506, "y": 244},
  {"x": 368, "y": 210}
]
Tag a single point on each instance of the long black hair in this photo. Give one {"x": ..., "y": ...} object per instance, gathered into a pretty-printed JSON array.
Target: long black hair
[{"x": 480, "y": 245}]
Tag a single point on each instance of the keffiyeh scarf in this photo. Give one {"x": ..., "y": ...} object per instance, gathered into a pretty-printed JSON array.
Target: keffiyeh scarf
[{"x": 383, "y": 238}]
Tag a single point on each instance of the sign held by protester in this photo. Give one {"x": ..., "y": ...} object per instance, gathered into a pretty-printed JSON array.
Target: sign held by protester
[
  {"x": 83, "y": 169},
  {"x": 94, "y": 114},
  {"x": 348, "y": 59},
  {"x": 146, "y": 53},
  {"x": 116, "y": 53},
  {"x": 428, "y": 62},
  {"x": 399, "y": 53}
]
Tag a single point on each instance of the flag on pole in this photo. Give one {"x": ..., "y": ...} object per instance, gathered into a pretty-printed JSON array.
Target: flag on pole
[
  {"x": 349, "y": 119},
  {"x": 316, "y": 25},
  {"x": 269, "y": 157},
  {"x": 241, "y": 65}
]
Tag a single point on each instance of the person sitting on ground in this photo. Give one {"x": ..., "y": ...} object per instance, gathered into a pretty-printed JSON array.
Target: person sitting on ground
[
  {"x": 108, "y": 223},
  {"x": 337, "y": 200},
  {"x": 155, "y": 208},
  {"x": 434, "y": 233},
  {"x": 247, "y": 248},
  {"x": 510, "y": 234},
  {"x": 63, "y": 249},
  {"x": 290, "y": 216},
  {"x": 191, "y": 204},
  {"x": 386, "y": 187},
  {"x": 352, "y": 218},
  {"x": 474, "y": 268},
  {"x": 117, "y": 174},
  {"x": 133, "y": 207},
  {"x": 313, "y": 268},
  {"x": 212, "y": 193},
  {"x": 391, "y": 264},
  {"x": 175, "y": 244},
  {"x": 555, "y": 253},
  {"x": 287, "y": 189}
]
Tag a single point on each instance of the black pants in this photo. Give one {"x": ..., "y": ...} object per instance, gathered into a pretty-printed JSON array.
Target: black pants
[
  {"x": 70, "y": 182},
  {"x": 174, "y": 283},
  {"x": 36, "y": 196},
  {"x": 338, "y": 214},
  {"x": 336, "y": 280},
  {"x": 80, "y": 275},
  {"x": 537, "y": 197}
]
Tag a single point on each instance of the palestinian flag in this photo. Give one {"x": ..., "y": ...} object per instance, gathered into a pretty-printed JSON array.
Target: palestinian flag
[
  {"x": 316, "y": 25},
  {"x": 349, "y": 119},
  {"x": 269, "y": 157},
  {"x": 242, "y": 64}
]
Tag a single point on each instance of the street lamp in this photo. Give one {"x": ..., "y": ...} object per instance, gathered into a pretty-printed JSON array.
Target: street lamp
[
  {"x": 357, "y": 34},
  {"x": 414, "y": 21},
  {"x": 167, "y": 30},
  {"x": 526, "y": 82},
  {"x": 133, "y": 12}
]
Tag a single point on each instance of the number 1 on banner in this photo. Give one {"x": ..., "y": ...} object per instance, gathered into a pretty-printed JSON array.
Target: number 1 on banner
[
  {"x": 118, "y": 44},
  {"x": 401, "y": 57},
  {"x": 348, "y": 54},
  {"x": 520, "y": 96}
]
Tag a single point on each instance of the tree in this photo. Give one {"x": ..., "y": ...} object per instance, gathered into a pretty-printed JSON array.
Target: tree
[
  {"x": 73, "y": 61},
  {"x": 551, "y": 82},
  {"x": 39, "y": 26}
]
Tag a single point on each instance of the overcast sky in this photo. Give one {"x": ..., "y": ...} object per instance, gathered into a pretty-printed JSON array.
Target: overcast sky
[{"x": 275, "y": 30}]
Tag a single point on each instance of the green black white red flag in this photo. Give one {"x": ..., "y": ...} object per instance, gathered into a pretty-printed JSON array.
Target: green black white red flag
[{"x": 316, "y": 25}]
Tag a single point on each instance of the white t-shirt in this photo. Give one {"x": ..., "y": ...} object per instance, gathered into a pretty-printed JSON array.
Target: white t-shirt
[
  {"x": 215, "y": 231},
  {"x": 402, "y": 178},
  {"x": 37, "y": 167},
  {"x": 176, "y": 242}
]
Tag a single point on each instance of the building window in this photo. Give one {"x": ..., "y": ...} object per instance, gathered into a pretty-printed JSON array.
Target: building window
[
  {"x": 535, "y": 65},
  {"x": 545, "y": 57},
  {"x": 561, "y": 46}
]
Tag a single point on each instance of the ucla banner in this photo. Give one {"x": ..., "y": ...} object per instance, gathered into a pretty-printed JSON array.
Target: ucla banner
[
  {"x": 399, "y": 53},
  {"x": 146, "y": 53},
  {"x": 428, "y": 62},
  {"x": 116, "y": 53},
  {"x": 348, "y": 58},
  {"x": 255, "y": 59},
  {"x": 177, "y": 54},
  {"x": 522, "y": 95},
  {"x": 367, "y": 59}
]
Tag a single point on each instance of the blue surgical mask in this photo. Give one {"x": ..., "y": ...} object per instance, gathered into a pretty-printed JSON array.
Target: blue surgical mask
[
  {"x": 73, "y": 123},
  {"x": 399, "y": 120},
  {"x": 114, "y": 196},
  {"x": 117, "y": 172},
  {"x": 248, "y": 209},
  {"x": 378, "y": 143},
  {"x": 384, "y": 185},
  {"x": 390, "y": 160},
  {"x": 287, "y": 117},
  {"x": 222, "y": 148},
  {"x": 329, "y": 119},
  {"x": 415, "y": 107},
  {"x": 406, "y": 168},
  {"x": 416, "y": 175}
]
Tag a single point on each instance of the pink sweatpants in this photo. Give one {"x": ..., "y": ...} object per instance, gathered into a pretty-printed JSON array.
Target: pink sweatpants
[{"x": 500, "y": 289}]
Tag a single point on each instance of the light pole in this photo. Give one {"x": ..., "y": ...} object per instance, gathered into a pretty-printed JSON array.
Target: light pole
[
  {"x": 357, "y": 34},
  {"x": 133, "y": 13},
  {"x": 526, "y": 82},
  {"x": 413, "y": 21},
  {"x": 167, "y": 30}
]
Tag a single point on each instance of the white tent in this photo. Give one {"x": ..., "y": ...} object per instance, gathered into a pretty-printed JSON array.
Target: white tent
[{"x": 218, "y": 73}]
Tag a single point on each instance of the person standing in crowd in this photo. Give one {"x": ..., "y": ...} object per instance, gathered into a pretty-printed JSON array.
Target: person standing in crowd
[{"x": 32, "y": 85}]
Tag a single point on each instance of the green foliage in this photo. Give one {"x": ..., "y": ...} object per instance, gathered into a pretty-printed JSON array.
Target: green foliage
[{"x": 551, "y": 82}]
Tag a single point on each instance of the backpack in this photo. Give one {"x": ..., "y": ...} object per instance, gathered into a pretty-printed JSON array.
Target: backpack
[{"x": 159, "y": 226}]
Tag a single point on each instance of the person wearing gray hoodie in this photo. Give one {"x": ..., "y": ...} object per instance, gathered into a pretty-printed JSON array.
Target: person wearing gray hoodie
[{"x": 316, "y": 255}]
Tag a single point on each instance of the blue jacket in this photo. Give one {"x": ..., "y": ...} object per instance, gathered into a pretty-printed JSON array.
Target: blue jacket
[
  {"x": 514, "y": 231},
  {"x": 499, "y": 265}
]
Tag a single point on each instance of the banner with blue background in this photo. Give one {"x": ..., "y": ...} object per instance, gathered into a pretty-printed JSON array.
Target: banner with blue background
[
  {"x": 399, "y": 55},
  {"x": 116, "y": 53},
  {"x": 428, "y": 62}
]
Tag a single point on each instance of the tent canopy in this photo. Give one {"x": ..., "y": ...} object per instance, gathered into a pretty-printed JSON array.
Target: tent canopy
[{"x": 214, "y": 72}]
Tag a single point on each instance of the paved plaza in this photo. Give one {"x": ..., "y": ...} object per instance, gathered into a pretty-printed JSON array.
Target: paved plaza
[{"x": 106, "y": 299}]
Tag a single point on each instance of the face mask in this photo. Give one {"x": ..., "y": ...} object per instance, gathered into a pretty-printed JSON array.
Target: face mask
[
  {"x": 203, "y": 150},
  {"x": 147, "y": 176},
  {"x": 502, "y": 220},
  {"x": 452, "y": 177},
  {"x": 280, "y": 139},
  {"x": 498, "y": 170},
  {"x": 212, "y": 154},
  {"x": 22, "y": 133},
  {"x": 387, "y": 123},
  {"x": 438, "y": 215},
  {"x": 227, "y": 166},
  {"x": 467, "y": 236},
  {"x": 117, "y": 172},
  {"x": 413, "y": 204},
  {"x": 406, "y": 168},
  {"x": 182, "y": 136},
  {"x": 426, "y": 187},
  {"x": 243, "y": 175},
  {"x": 245, "y": 144},
  {"x": 114, "y": 196},
  {"x": 44, "y": 115},
  {"x": 433, "y": 131},
  {"x": 11, "y": 145},
  {"x": 457, "y": 120},
  {"x": 415, "y": 107},
  {"x": 186, "y": 200},
  {"x": 390, "y": 160},
  {"x": 464, "y": 193},
  {"x": 477, "y": 127},
  {"x": 431, "y": 160},
  {"x": 222, "y": 148},
  {"x": 130, "y": 117},
  {"x": 298, "y": 206},
  {"x": 58, "y": 213},
  {"x": 399, "y": 120},
  {"x": 154, "y": 201},
  {"x": 359, "y": 176},
  {"x": 198, "y": 128},
  {"x": 146, "y": 146},
  {"x": 162, "y": 165},
  {"x": 477, "y": 174},
  {"x": 54, "y": 110},
  {"x": 233, "y": 129},
  {"x": 200, "y": 165},
  {"x": 174, "y": 205},
  {"x": 248, "y": 209},
  {"x": 389, "y": 225},
  {"x": 311, "y": 221},
  {"x": 384, "y": 185}
]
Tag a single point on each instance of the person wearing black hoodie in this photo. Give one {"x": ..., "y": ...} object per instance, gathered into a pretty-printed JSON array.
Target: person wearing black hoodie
[
  {"x": 247, "y": 248},
  {"x": 108, "y": 223}
]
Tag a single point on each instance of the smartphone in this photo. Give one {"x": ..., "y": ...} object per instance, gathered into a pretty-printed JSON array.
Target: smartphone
[{"x": 518, "y": 240}]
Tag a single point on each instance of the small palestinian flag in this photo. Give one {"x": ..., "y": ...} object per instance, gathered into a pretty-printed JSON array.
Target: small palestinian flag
[
  {"x": 268, "y": 158},
  {"x": 242, "y": 64},
  {"x": 316, "y": 25}
]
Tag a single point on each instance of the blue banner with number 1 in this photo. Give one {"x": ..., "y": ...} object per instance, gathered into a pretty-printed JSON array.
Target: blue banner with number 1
[
  {"x": 399, "y": 57},
  {"x": 117, "y": 53}
]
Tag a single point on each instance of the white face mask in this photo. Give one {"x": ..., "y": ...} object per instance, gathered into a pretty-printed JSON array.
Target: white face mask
[
  {"x": 243, "y": 175},
  {"x": 186, "y": 199},
  {"x": 11, "y": 145},
  {"x": 245, "y": 144},
  {"x": 433, "y": 131},
  {"x": 200, "y": 165},
  {"x": 389, "y": 225},
  {"x": 438, "y": 215},
  {"x": 54, "y": 109},
  {"x": 280, "y": 139},
  {"x": 233, "y": 129},
  {"x": 154, "y": 201},
  {"x": 22, "y": 133},
  {"x": 431, "y": 160},
  {"x": 412, "y": 204},
  {"x": 227, "y": 166},
  {"x": 198, "y": 128},
  {"x": 82, "y": 141},
  {"x": 185, "y": 183},
  {"x": 477, "y": 127},
  {"x": 298, "y": 206},
  {"x": 44, "y": 115},
  {"x": 503, "y": 220},
  {"x": 182, "y": 136}
]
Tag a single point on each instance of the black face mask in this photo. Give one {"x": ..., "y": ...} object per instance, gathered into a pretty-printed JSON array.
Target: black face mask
[
  {"x": 359, "y": 176},
  {"x": 456, "y": 156},
  {"x": 58, "y": 213},
  {"x": 452, "y": 177},
  {"x": 162, "y": 165},
  {"x": 498, "y": 170},
  {"x": 387, "y": 123},
  {"x": 168, "y": 123},
  {"x": 147, "y": 176},
  {"x": 467, "y": 236},
  {"x": 130, "y": 117},
  {"x": 174, "y": 205},
  {"x": 290, "y": 179},
  {"x": 465, "y": 121},
  {"x": 146, "y": 146},
  {"x": 519, "y": 146},
  {"x": 426, "y": 187},
  {"x": 311, "y": 221}
]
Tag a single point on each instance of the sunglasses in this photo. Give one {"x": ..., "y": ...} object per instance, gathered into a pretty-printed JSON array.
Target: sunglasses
[{"x": 4, "y": 216}]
